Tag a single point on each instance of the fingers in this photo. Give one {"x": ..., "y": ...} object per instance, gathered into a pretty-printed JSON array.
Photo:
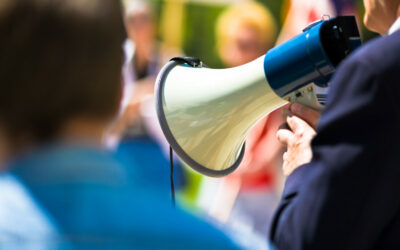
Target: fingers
[
  {"x": 285, "y": 136},
  {"x": 300, "y": 127},
  {"x": 298, "y": 136},
  {"x": 308, "y": 114},
  {"x": 299, "y": 130}
]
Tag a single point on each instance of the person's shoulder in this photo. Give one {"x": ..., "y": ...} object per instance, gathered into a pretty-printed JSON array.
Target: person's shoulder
[
  {"x": 371, "y": 72},
  {"x": 175, "y": 226},
  {"x": 74, "y": 163},
  {"x": 141, "y": 218},
  {"x": 378, "y": 56},
  {"x": 22, "y": 219}
]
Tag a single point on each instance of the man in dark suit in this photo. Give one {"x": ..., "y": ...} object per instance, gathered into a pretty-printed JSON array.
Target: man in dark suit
[{"x": 342, "y": 192}]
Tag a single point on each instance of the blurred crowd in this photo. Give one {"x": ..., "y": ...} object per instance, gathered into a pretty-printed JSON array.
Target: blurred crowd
[{"x": 84, "y": 162}]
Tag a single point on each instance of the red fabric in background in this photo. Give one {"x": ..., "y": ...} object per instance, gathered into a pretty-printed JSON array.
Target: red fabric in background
[{"x": 262, "y": 159}]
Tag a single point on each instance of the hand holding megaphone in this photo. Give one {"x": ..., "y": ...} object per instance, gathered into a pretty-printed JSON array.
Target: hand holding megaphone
[{"x": 206, "y": 113}]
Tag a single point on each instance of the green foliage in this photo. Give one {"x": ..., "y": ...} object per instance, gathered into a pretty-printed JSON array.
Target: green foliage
[
  {"x": 199, "y": 33},
  {"x": 275, "y": 6}
]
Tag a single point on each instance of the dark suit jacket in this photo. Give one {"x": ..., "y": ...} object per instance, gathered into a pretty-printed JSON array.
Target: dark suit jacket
[{"x": 348, "y": 197}]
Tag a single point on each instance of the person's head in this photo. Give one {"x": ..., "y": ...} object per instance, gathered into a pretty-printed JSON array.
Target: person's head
[
  {"x": 60, "y": 60},
  {"x": 244, "y": 32},
  {"x": 381, "y": 14},
  {"x": 139, "y": 22}
]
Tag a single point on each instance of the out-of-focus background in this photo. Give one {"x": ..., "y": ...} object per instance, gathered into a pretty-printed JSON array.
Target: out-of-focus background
[{"x": 190, "y": 24}]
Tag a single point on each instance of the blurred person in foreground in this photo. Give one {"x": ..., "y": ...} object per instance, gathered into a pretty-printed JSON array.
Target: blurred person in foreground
[
  {"x": 60, "y": 87},
  {"x": 136, "y": 133},
  {"x": 340, "y": 192},
  {"x": 247, "y": 198}
]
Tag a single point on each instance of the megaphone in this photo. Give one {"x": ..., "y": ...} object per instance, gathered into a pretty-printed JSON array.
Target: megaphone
[{"x": 206, "y": 114}]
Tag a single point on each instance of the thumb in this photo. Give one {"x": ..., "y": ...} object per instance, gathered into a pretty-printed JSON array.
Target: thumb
[{"x": 298, "y": 125}]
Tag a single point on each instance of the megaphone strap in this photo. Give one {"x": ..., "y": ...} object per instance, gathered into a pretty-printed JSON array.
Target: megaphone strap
[
  {"x": 192, "y": 61},
  {"x": 171, "y": 159}
]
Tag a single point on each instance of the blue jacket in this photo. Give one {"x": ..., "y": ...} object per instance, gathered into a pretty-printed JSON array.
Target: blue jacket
[
  {"x": 348, "y": 197},
  {"x": 91, "y": 203}
]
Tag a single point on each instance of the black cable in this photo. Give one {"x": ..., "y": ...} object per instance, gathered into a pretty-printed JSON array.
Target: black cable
[{"x": 171, "y": 158}]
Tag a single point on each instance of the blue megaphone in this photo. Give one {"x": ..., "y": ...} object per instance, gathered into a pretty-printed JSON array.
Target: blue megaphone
[
  {"x": 311, "y": 56},
  {"x": 206, "y": 113}
]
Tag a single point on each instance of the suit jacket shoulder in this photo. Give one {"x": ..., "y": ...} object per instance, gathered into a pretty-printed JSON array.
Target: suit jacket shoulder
[
  {"x": 379, "y": 56},
  {"x": 343, "y": 198}
]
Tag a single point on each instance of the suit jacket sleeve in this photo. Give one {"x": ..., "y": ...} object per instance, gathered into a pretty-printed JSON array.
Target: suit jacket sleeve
[{"x": 344, "y": 196}]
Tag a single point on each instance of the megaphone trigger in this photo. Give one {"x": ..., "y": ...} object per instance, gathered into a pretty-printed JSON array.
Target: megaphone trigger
[{"x": 307, "y": 96}]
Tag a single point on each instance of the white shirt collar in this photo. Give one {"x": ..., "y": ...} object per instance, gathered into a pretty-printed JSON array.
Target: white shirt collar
[{"x": 395, "y": 26}]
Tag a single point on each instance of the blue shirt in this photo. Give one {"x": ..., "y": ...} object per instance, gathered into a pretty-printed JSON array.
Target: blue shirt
[{"x": 91, "y": 202}]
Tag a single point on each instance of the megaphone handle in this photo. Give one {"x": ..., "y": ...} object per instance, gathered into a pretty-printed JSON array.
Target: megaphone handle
[{"x": 306, "y": 96}]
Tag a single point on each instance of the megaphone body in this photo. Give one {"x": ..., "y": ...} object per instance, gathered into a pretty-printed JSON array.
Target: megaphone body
[{"x": 206, "y": 113}]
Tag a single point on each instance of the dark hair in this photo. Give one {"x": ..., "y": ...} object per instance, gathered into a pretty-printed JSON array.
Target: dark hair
[{"x": 59, "y": 59}]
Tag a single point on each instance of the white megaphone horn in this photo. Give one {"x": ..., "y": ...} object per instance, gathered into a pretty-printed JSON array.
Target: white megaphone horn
[{"x": 206, "y": 114}]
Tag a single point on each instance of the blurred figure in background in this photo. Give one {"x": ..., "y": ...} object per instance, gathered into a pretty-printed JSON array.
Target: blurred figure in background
[
  {"x": 247, "y": 198},
  {"x": 244, "y": 32},
  {"x": 136, "y": 134},
  {"x": 59, "y": 91},
  {"x": 142, "y": 61}
]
